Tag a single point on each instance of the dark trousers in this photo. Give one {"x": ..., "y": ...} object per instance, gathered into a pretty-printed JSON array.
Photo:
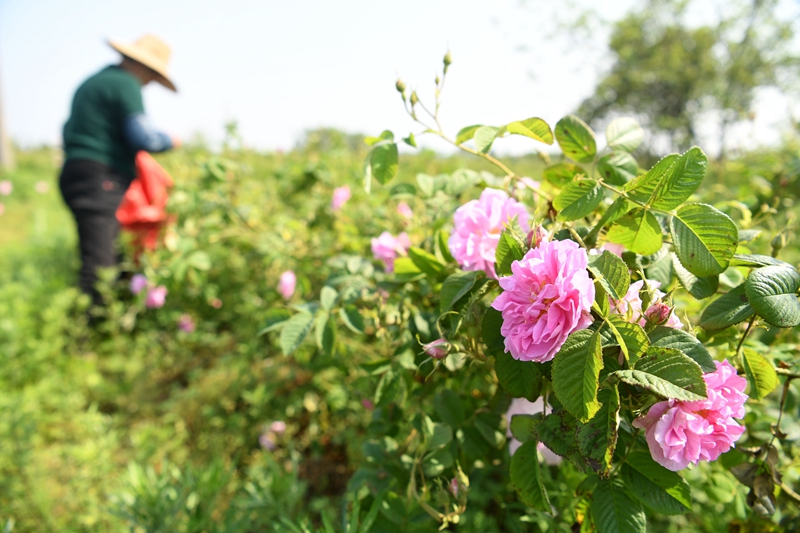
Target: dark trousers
[{"x": 93, "y": 191}]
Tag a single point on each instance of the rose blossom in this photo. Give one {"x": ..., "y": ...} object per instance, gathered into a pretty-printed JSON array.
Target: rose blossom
[
  {"x": 631, "y": 305},
  {"x": 6, "y": 187},
  {"x": 478, "y": 225},
  {"x": 679, "y": 433},
  {"x": 340, "y": 197},
  {"x": 387, "y": 247},
  {"x": 185, "y": 323},
  {"x": 156, "y": 297},
  {"x": 287, "y": 284},
  {"x": 138, "y": 283},
  {"x": 547, "y": 297},
  {"x": 405, "y": 211},
  {"x": 278, "y": 427},
  {"x": 436, "y": 349},
  {"x": 521, "y": 406}
]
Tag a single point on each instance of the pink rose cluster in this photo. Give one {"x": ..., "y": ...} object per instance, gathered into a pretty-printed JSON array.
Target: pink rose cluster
[
  {"x": 631, "y": 306},
  {"x": 681, "y": 433},
  {"x": 340, "y": 197},
  {"x": 478, "y": 225},
  {"x": 155, "y": 297},
  {"x": 387, "y": 248},
  {"x": 548, "y": 296}
]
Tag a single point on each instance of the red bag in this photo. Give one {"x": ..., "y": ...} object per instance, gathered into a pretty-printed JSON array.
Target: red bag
[{"x": 142, "y": 210}]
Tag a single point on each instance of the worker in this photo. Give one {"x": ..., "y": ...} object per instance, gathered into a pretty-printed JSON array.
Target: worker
[{"x": 106, "y": 128}]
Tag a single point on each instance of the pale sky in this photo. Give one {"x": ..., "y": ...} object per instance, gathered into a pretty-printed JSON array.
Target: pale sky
[{"x": 279, "y": 68}]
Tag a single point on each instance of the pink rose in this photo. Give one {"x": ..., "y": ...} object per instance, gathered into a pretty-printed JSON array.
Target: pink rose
[
  {"x": 478, "y": 225},
  {"x": 278, "y": 427},
  {"x": 436, "y": 349},
  {"x": 405, "y": 211},
  {"x": 6, "y": 187},
  {"x": 630, "y": 305},
  {"x": 185, "y": 323},
  {"x": 156, "y": 297},
  {"x": 547, "y": 297},
  {"x": 387, "y": 247},
  {"x": 521, "y": 406},
  {"x": 340, "y": 197},
  {"x": 138, "y": 283},
  {"x": 287, "y": 284},
  {"x": 682, "y": 433}
]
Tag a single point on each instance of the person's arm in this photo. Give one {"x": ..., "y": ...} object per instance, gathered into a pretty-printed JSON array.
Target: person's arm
[{"x": 142, "y": 135}]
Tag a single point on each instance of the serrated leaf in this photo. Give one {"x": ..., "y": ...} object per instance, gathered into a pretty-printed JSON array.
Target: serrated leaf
[
  {"x": 520, "y": 379},
  {"x": 526, "y": 478},
  {"x": 617, "y": 168},
  {"x": 638, "y": 231},
  {"x": 576, "y": 139},
  {"x": 325, "y": 330},
  {"x": 449, "y": 408},
  {"x": 352, "y": 318},
  {"x": 508, "y": 250},
  {"x": 405, "y": 266},
  {"x": 614, "y": 511},
  {"x": 426, "y": 262},
  {"x": 557, "y": 432},
  {"x": 618, "y": 208},
  {"x": 535, "y": 128},
  {"x": 562, "y": 173},
  {"x": 597, "y": 439},
  {"x": 577, "y": 199},
  {"x": 667, "y": 373},
  {"x": 327, "y": 297},
  {"x": 467, "y": 133},
  {"x": 484, "y": 137},
  {"x": 384, "y": 162},
  {"x": 729, "y": 309},
  {"x": 671, "y": 181},
  {"x": 704, "y": 239},
  {"x": 523, "y": 427},
  {"x": 273, "y": 319},
  {"x": 631, "y": 338},
  {"x": 611, "y": 272},
  {"x": 664, "y": 337},
  {"x": 294, "y": 332},
  {"x": 576, "y": 371},
  {"x": 403, "y": 189},
  {"x": 662, "y": 490},
  {"x": 490, "y": 330},
  {"x": 455, "y": 287},
  {"x": 772, "y": 292},
  {"x": 661, "y": 270},
  {"x": 756, "y": 260},
  {"x": 426, "y": 185},
  {"x": 624, "y": 134},
  {"x": 700, "y": 288},
  {"x": 760, "y": 374}
]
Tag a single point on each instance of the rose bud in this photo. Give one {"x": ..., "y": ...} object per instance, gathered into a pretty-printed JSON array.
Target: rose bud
[
  {"x": 536, "y": 236},
  {"x": 400, "y": 86},
  {"x": 436, "y": 349},
  {"x": 454, "y": 487},
  {"x": 658, "y": 313}
]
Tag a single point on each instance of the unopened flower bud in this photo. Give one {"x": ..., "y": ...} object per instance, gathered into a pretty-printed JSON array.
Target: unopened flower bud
[
  {"x": 778, "y": 243},
  {"x": 658, "y": 313},
  {"x": 436, "y": 349},
  {"x": 401, "y": 86},
  {"x": 448, "y": 59},
  {"x": 414, "y": 98},
  {"x": 454, "y": 487},
  {"x": 437, "y": 80},
  {"x": 537, "y": 236}
]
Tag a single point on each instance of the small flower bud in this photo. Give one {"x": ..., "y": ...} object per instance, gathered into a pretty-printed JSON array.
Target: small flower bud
[
  {"x": 438, "y": 80},
  {"x": 414, "y": 98},
  {"x": 454, "y": 487},
  {"x": 448, "y": 59},
  {"x": 778, "y": 243},
  {"x": 400, "y": 86},
  {"x": 436, "y": 349},
  {"x": 537, "y": 236},
  {"x": 658, "y": 313}
]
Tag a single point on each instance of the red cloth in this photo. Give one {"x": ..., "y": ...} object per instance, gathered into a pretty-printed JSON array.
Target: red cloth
[{"x": 142, "y": 210}]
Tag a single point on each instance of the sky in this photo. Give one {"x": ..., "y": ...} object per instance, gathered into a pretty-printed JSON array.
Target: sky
[{"x": 280, "y": 68}]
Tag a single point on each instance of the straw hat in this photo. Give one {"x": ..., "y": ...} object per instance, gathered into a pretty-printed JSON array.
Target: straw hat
[{"x": 151, "y": 52}]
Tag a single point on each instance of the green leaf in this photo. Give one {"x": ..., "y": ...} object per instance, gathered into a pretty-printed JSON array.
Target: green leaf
[
  {"x": 664, "y": 337},
  {"x": 200, "y": 260},
  {"x": 520, "y": 379},
  {"x": 617, "y": 168},
  {"x": 576, "y": 371},
  {"x": 631, "y": 337},
  {"x": 619, "y": 207},
  {"x": 727, "y": 310},
  {"x": 535, "y": 128},
  {"x": 410, "y": 140},
  {"x": 671, "y": 181},
  {"x": 660, "y": 489},
  {"x": 561, "y": 173},
  {"x": 508, "y": 251},
  {"x": 597, "y": 439},
  {"x": 638, "y": 231},
  {"x": 455, "y": 287},
  {"x": 426, "y": 185},
  {"x": 557, "y": 432},
  {"x": 771, "y": 291},
  {"x": 667, "y": 373},
  {"x": 577, "y": 199},
  {"x": 384, "y": 162},
  {"x": 760, "y": 374},
  {"x": 426, "y": 262},
  {"x": 624, "y": 134},
  {"x": 274, "y": 318},
  {"x": 614, "y": 511},
  {"x": 467, "y": 133},
  {"x": 704, "y": 239},
  {"x": 490, "y": 330},
  {"x": 484, "y": 137},
  {"x": 403, "y": 189},
  {"x": 611, "y": 272},
  {"x": 405, "y": 266},
  {"x": 700, "y": 288},
  {"x": 294, "y": 331},
  {"x": 526, "y": 478},
  {"x": 523, "y": 427},
  {"x": 756, "y": 260},
  {"x": 325, "y": 330},
  {"x": 352, "y": 318},
  {"x": 327, "y": 297},
  {"x": 449, "y": 408},
  {"x": 442, "y": 238},
  {"x": 388, "y": 388},
  {"x": 576, "y": 139}
]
